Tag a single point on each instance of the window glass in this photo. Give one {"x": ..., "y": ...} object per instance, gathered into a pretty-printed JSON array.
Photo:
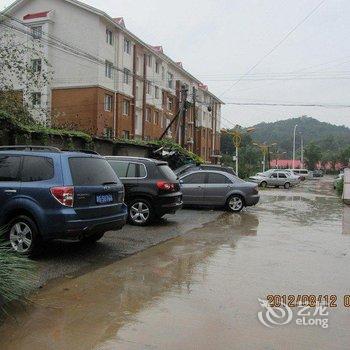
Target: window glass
[
  {"x": 119, "y": 167},
  {"x": 37, "y": 169},
  {"x": 9, "y": 167},
  {"x": 197, "y": 178},
  {"x": 132, "y": 170},
  {"x": 217, "y": 179},
  {"x": 91, "y": 171},
  {"x": 282, "y": 175},
  {"x": 167, "y": 172},
  {"x": 142, "y": 170},
  {"x": 274, "y": 175}
]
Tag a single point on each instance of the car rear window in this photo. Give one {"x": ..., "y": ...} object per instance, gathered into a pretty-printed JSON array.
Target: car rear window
[
  {"x": 91, "y": 171},
  {"x": 9, "y": 167},
  {"x": 37, "y": 168},
  {"x": 167, "y": 172}
]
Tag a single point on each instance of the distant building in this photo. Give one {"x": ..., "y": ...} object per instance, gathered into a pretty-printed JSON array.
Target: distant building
[{"x": 107, "y": 81}]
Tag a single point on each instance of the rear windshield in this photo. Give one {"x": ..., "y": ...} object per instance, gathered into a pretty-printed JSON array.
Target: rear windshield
[
  {"x": 91, "y": 172},
  {"x": 167, "y": 172}
]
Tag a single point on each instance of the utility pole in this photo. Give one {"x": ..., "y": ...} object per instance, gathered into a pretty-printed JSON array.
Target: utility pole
[
  {"x": 194, "y": 119},
  {"x": 183, "y": 130},
  {"x": 302, "y": 152},
  {"x": 295, "y": 128}
]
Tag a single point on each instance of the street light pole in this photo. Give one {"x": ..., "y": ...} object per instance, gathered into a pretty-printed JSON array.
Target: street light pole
[
  {"x": 302, "y": 152},
  {"x": 295, "y": 128}
]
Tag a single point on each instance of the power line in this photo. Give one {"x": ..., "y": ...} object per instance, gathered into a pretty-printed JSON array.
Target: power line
[{"x": 276, "y": 46}]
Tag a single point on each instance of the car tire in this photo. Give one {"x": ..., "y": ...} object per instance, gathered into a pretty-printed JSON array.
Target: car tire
[
  {"x": 263, "y": 184},
  {"x": 93, "y": 238},
  {"x": 287, "y": 185},
  {"x": 140, "y": 212},
  {"x": 235, "y": 203},
  {"x": 23, "y": 235}
]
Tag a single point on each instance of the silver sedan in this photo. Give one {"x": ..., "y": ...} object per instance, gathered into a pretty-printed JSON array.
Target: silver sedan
[
  {"x": 217, "y": 188},
  {"x": 276, "y": 179}
]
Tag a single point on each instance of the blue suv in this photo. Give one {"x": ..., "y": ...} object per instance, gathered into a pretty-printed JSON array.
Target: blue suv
[{"x": 50, "y": 194}]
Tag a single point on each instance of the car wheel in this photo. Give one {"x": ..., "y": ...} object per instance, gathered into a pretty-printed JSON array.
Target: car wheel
[
  {"x": 287, "y": 185},
  {"x": 263, "y": 184},
  {"x": 23, "y": 235},
  {"x": 140, "y": 212},
  {"x": 93, "y": 238},
  {"x": 235, "y": 203}
]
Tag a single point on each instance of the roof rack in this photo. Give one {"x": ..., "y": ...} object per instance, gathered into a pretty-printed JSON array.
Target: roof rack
[
  {"x": 86, "y": 151},
  {"x": 30, "y": 148}
]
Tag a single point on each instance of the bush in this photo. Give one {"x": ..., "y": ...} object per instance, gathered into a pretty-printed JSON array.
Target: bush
[
  {"x": 340, "y": 187},
  {"x": 16, "y": 276}
]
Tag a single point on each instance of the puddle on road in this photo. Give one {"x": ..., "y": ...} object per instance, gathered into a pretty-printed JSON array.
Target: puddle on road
[{"x": 201, "y": 290}]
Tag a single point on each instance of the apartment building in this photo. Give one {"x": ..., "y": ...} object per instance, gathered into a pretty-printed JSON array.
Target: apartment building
[{"x": 108, "y": 82}]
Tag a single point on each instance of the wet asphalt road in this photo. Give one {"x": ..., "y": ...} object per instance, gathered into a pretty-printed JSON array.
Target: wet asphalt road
[{"x": 200, "y": 289}]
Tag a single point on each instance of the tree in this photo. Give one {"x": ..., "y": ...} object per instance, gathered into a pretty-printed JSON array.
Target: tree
[
  {"x": 312, "y": 155},
  {"x": 23, "y": 71}
]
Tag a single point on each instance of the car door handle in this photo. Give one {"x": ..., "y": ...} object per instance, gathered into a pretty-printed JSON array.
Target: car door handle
[{"x": 10, "y": 191}]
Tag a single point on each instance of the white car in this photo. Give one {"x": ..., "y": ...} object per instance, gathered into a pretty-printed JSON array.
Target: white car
[{"x": 276, "y": 178}]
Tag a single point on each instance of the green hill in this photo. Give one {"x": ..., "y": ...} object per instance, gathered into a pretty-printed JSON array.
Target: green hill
[{"x": 327, "y": 136}]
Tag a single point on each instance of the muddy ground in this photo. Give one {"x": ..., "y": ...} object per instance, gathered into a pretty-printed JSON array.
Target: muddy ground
[{"x": 196, "y": 280}]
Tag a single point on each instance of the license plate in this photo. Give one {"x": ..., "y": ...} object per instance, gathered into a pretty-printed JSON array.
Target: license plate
[{"x": 104, "y": 198}]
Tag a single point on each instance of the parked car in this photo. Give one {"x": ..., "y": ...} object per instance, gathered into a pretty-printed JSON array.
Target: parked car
[
  {"x": 303, "y": 173},
  {"x": 151, "y": 188},
  {"x": 276, "y": 179},
  {"x": 317, "y": 173},
  {"x": 192, "y": 167},
  {"x": 49, "y": 194},
  {"x": 337, "y": 180},
  {"x": 218, "y": 188},
  {"x": 269, "y": 172}
]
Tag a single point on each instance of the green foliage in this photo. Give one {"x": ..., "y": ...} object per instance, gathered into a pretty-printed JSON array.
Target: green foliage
[
  {"x": 312, "y": 155},
  {"x": 17, "y": 275},
  {"x": 340, "y": 187}
]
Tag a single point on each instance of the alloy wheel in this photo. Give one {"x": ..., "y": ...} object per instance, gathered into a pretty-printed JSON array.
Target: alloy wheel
[
  {"x": 235, "y": 203},
  {"x": 21, "y": 237},
  {"x": 139, "y": 212}
]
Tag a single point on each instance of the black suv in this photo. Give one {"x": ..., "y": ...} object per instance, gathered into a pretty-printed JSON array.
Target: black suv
[{"x": 151, "y": 188}]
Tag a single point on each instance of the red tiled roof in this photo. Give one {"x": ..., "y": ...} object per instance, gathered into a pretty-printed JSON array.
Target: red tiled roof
[{"x": 35, "y": 15}]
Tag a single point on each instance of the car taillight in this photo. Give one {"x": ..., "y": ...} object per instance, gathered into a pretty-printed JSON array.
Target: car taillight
[
  {"x": 256, "y": 190},
  {"x": 165, "y": 186},
  {"x": 64, "y": 195}
]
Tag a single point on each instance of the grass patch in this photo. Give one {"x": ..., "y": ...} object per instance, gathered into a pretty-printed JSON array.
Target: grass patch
[{"x": 17, "y": 275}]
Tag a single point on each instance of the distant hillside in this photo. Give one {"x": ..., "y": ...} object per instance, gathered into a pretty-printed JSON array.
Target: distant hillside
[{"x": 328, "y": 136}]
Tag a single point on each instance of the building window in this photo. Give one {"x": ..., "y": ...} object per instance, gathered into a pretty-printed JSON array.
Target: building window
[
  {"x": 126, "y": 134},
  {"x": 109, "y": 37},
  {"x": 163, "y": 73},
  {"x": 127, "y": 46},
  {"x": 148, "y": 115},
  {"x": 126, "y": 107},
  {"x": 170, "y": 105},
  {"x": 37, "y": 32},
  {"x": 108, "y": 133},
  {"x": 126, "y": 75},
  {"x": 170, "y": 81},
  {"x": 149, "y": 60},
  {"x": 36, "y": 99},
  {"x": 108, "y": 69},
  {"x": 157, "y": 67},
  {"x": 108, "y": 103},
  {"x": 149, "y": 88},
  {"x": 156, "y": 117},
  {"x": 36, "y": 65},
  {"x": 156, "y": 92}
]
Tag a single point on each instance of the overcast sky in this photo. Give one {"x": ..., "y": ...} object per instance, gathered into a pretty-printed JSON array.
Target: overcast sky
[{"x": 219, "y": 40}]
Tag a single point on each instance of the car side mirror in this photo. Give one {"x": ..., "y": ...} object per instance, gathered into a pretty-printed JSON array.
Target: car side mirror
[{"x": 181, "y": 181}]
